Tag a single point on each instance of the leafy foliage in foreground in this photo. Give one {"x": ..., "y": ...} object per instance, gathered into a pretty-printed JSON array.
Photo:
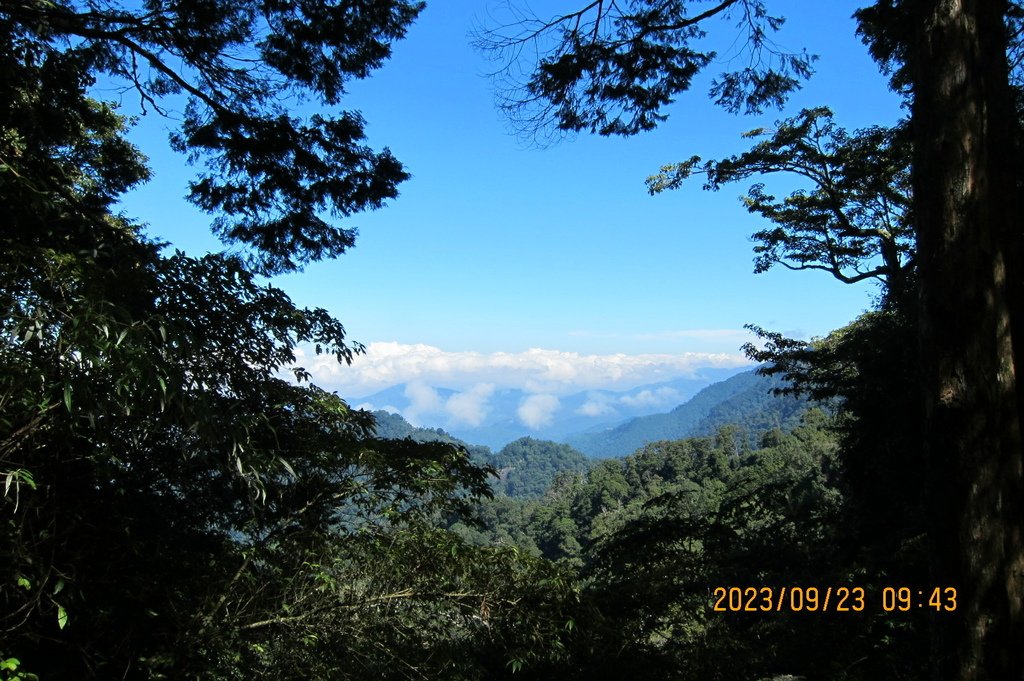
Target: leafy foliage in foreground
[
  {"x": 952, "y": 251},
  {"x": 270, "y": 176},
  {"x": 168, "y": 493},
  {"x": 178, "y": 501}
]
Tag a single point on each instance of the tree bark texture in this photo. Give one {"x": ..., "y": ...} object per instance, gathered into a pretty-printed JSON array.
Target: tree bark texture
[{"x": 967, "y": 224}]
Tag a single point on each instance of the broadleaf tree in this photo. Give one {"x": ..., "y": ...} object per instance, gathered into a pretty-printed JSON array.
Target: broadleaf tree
[
  {"x": 235, "y": 74},
  {"x": 853, "y": 222},
  {"x": 178, "y": 501},
  {"x": 956, "y": 62},
  {"x": 611, "y": 67}
]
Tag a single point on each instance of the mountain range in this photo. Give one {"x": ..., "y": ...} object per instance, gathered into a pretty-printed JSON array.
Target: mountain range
[
  {"x": 745, "y": 399},
  {"x": 497, "y": 417}
]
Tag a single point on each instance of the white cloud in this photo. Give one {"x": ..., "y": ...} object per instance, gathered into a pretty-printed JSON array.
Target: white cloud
[
  {"x": 536, "y": 370},
  {"x": 595, "y": 408},
  {"x": 652, "y": 398},
  {"x": 537, "y": 411},
  {"x": 470, "y": 407},
  {"x": 423, "y": 400}
]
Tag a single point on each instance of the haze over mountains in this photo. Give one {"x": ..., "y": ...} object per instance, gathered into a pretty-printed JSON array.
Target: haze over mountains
[
  {"x": 494, "y": 417},
  {"x": 744, "y": 399}
]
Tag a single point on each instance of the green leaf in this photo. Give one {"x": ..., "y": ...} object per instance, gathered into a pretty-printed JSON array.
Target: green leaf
[
  {"x": 24, "y": 583},
  {"x": 62, "y": 616},
  {"x": 67, "y": 396}
]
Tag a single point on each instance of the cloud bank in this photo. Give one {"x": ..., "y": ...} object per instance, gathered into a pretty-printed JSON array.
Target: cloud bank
[{"x": 476, "y": 375}]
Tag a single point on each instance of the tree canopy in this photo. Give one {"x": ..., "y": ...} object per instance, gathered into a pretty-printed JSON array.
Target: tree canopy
[
  {"x": 178, "y": 500},
  {"x": 854, "y": 221},
  {"x": 612, "y": 68},
  {"x": 236, "y": 75}
]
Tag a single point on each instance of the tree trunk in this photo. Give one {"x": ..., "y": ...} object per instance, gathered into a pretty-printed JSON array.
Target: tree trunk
[{"x": 965, "y": 207}]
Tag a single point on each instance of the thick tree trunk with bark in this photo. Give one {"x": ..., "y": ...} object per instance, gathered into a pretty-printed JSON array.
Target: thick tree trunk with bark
[{"x": 964, "y": 176}]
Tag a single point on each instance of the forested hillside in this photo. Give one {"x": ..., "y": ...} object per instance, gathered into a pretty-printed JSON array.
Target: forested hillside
[
  {"x": 747, "y": 400},
  {"x": 523, "y": 468},
  {"x": 393, "y": 427},
  {"x": 527, "y": 467},
  {"x": 652, "y": 536}
]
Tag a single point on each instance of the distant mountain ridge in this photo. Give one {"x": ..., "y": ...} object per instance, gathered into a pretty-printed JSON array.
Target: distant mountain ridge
[
  {"x": 745, "y": 399},
  {"x": 528, "y": 465},
  {"x": 505, "y": 415}
]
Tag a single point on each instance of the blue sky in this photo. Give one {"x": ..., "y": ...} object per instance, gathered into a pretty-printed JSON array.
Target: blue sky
[{"x": 495, "y": 248}]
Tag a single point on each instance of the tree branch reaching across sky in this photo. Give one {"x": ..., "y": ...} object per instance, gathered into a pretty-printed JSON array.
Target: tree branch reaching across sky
[{"x": 612, "y": 67}]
